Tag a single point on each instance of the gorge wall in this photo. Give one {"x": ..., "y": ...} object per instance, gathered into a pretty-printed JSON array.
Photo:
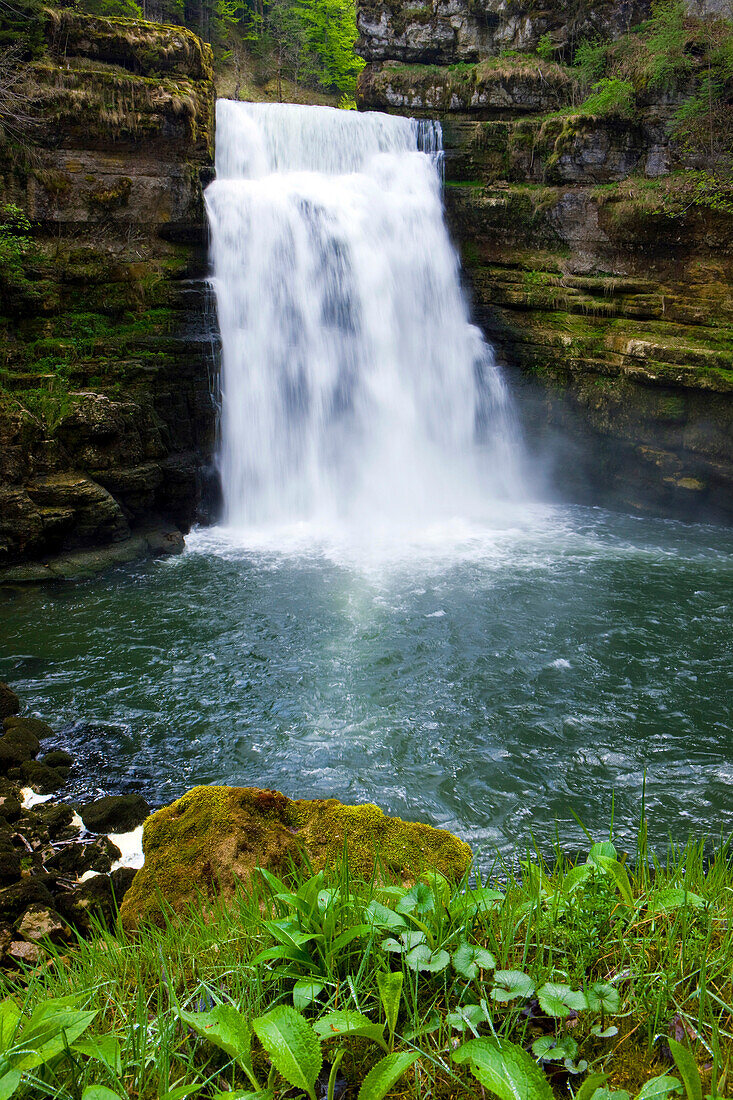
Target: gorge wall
[
  {"x": 106, "y": 411},
  {"x": 598, "y": 250}
]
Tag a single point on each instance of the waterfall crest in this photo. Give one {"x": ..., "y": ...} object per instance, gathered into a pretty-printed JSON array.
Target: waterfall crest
[{"x": 353, "y": 385}]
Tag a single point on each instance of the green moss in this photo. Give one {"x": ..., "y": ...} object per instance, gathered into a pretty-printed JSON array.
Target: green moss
[{"x": 213, "y": 837}]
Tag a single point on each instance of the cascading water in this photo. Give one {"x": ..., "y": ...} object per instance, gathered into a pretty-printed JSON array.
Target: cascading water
[{"x": 354, "y": 388}]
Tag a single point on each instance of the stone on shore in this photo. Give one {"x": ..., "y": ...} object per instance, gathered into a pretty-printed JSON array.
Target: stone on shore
[
  {"x": 214, "y": 837},
  {"x": 115, "y": 813}
]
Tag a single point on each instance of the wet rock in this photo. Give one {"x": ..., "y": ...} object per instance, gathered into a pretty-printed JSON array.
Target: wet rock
[
  {"x": 41, "y": 778},
  {"x": 77, "y": 859},
  {"x": 122, "y": 881},
  {"x": 14, "y": 900},
  {"x": 23, "y": 953},
  {"x": 93, "y": 898},
  {"x": 40, "y": 923},
  {"x": 17, "y": 745},
  {"x": 30, "y": 726},
  {"x": 115, "y": 813},
  {"x": 9, "y": 701},
  {"x": 56, "y": 821},
  {"x": 10, "y": 807},
  {"x": 10, "y": 865},
  {"x": 214, "y": 837},
  {"x": 57, "y": 758}
]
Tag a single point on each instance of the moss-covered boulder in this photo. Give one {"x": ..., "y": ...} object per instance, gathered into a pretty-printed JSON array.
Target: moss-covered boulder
[{"x": 213, "y": 837}]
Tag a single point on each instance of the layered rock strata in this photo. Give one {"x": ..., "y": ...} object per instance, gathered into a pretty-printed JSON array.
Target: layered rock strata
[{"x": 106, "y": 407}]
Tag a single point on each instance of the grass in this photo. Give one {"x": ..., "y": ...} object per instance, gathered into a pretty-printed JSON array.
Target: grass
[{"x": 656, "y": 935}]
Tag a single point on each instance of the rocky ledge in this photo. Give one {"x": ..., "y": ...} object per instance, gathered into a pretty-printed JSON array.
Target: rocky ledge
[
  {"x": 107, "y": 368},
  {"x": 63, "y": 867}
]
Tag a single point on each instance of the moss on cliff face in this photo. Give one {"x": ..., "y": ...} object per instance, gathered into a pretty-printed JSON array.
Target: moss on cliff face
[
  {"x": 214, "y": 837},
  {"x": 105, "y": 359}
]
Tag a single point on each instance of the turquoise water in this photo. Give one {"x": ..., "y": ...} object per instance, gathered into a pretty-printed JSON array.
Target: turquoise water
[{"x": 489, "y": 679}]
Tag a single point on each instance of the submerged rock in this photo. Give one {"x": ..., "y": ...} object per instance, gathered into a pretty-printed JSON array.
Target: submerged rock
[{"x": 215, "y": 836}]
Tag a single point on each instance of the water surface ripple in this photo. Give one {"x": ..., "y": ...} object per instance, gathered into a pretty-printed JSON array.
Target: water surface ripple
[{"x": 485, "y": 679}]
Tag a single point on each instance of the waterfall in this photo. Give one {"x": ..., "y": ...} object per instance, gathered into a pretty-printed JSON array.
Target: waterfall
[{"x": 354, "y": 387}]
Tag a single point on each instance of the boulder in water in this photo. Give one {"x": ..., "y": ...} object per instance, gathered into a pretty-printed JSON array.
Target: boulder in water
[
  {"x": 213, "y": 837},
  {"x": 9, "y": 701}
]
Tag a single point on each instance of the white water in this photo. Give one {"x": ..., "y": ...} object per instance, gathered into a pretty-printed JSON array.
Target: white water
[{"x": 354, "y": 389}]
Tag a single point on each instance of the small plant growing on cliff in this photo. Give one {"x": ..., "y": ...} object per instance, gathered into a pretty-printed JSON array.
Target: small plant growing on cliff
[{"x": 610, "y": 96}]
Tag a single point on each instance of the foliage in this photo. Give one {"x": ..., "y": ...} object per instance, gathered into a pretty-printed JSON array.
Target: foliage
[
  {"x": 545, "y": 47},
  {"x": 126, "y": 9},
  {"x": 560, "y": 972},
  {"x": 15, "y": 241},
  {"x": 610, "y": 96},
  {"x": 591, "y": 57}
]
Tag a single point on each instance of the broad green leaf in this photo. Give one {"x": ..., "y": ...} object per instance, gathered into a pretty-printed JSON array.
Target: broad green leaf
[
  {"x": 411, "y": 939},
  {"x": 418, "y": 900},
  {"x": 610, "y": 1094},
  {"x": 302, "y": 958},
  {"x": 422, "y": 958},
  {"x": 9, "y": 1017},
  {"x": 226, "y": 1028},
  {"x": 688, "y": 1070},
  {"x": 104, "y": 1048},
  {"x": 576, "y": 877},
  {"x": 549, "y": 1049},
  {"x": 659, "y": 1087},
  {"x": 604, "y": 1032},
  {"x": 293, "y": 1046},
  {"x": 49, "y": 1036},
  {"x": 468, "y": 959},
  {"x": 383, "y": 917},
  {"x": 347, "y": 1022},
  {"x": 505, "y": 1069},
  {"x": 9, "y": 1083},
  {"x": 603, "y": 997},
  {"x": 406, "y": 942},
  {"x": 305, "y": 992},
  {"x": 593, "y": 1082},
  {"x": 468, "y": 1016},
  {"x": 675, "y": 898},
  {"x": 605, "y": 848},
  {"x": 181, "y": 1092},
  {"x": 359, "y": 931},
  {"x": 390, "y": 993},
  {"x": 276, "y": 885},
  {"x": 242, "y": 1094},
  {"x": 393, "y": 945},
  {"x": 385, "y": 1074},
  {"x": 99, "y": 1092},
  {"x": 560, "y": 1000},
  {"x": 617, "y": 872},
  {"x": 510, "y": 984},
  {"x": 482, "y": 899}
]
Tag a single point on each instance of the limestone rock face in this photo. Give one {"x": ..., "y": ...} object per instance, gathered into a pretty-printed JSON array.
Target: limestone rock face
[
  {"x": 106, "y": 411},
  {"x": 214, "y": 836},
  {"x": 450, "y": 31}
]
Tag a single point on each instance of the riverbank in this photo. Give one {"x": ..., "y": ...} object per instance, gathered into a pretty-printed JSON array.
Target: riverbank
[{"x": 606, "y": 971}]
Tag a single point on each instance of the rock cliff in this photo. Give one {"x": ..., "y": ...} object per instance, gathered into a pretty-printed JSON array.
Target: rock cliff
[
  {"x": 597, "y": 245},
  {"x": 106, "y": 408}
]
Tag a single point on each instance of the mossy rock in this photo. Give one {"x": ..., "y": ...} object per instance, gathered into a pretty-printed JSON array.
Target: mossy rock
[{"x": 214, "y": 837}]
